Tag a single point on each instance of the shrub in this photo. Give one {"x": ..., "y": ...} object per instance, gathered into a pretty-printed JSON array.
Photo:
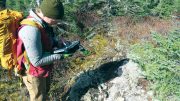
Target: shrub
[
  {"x": 165, "y": 8},
  {"x": 160, "y": 62},
  {"x": 20, "y": 5},
  {"x": 139, "y": 8}
]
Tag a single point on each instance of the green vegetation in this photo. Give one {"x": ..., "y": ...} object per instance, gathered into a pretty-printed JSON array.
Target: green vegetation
[
  {"x": 139, "y": 8},
  {"x": 160, "y": 62},
  {"x": 159, "y": 59},
  {"x": 21, "y": 5},
  {"x": 161, "y": 8},
  {"x": 9, "y": 89}
]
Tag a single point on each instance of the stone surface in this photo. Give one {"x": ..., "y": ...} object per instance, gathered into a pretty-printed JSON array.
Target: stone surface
[{"x": 121, "y": 85}]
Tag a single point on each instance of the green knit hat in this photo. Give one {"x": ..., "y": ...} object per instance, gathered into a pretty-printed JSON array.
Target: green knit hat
[{"x": 52, "y": 9}]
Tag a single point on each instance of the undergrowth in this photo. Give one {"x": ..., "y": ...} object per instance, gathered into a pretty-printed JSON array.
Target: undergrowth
[
  {"x": 160, "y": 62},
  {"x": 97, "y": 48},
  {"x": 10, "y": 89},
  {"x": 80, "y": 63}
]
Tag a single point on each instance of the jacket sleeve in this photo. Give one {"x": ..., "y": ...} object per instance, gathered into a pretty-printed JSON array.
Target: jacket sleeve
[{"x": 31, "y": 38}]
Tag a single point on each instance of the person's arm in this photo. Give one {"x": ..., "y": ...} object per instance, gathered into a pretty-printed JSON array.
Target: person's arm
[{"x": 31, "y": 38}]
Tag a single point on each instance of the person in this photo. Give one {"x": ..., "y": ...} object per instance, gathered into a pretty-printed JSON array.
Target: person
[{"x": 37, "y": 43}]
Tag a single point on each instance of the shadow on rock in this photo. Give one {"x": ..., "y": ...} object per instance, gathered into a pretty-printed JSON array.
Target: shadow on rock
[{"x": 93, "y": 78}]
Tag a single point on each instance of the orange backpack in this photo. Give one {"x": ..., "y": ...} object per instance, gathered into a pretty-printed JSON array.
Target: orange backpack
[{"x": 9, "y": 24}]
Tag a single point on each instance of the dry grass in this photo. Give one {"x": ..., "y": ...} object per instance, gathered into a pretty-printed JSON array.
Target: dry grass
[
  {"x": 86, "y": 19},
  {"x": 138, "y": 31}
]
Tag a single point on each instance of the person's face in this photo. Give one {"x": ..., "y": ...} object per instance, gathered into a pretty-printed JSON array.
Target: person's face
[{"x": 50, "y": 21}]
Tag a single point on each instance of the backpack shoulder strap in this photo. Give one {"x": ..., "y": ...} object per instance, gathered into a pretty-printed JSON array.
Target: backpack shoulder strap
[
  {"x": 44, "y": 35},
  {"x": 30, "y": 22}
]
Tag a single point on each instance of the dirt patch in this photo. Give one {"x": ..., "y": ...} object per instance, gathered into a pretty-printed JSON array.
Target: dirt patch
[
  {"x": 136, "y": 31},
  {"x": 143, "y": 83}
]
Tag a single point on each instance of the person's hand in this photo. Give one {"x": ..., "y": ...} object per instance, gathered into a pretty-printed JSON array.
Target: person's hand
[{"x": 66, "y": 55}]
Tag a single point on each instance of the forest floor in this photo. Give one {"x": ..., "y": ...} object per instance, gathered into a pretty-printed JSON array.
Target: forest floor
[
  {"x": 109, "y": 49},
  {"x": 103, "y": 76}
]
